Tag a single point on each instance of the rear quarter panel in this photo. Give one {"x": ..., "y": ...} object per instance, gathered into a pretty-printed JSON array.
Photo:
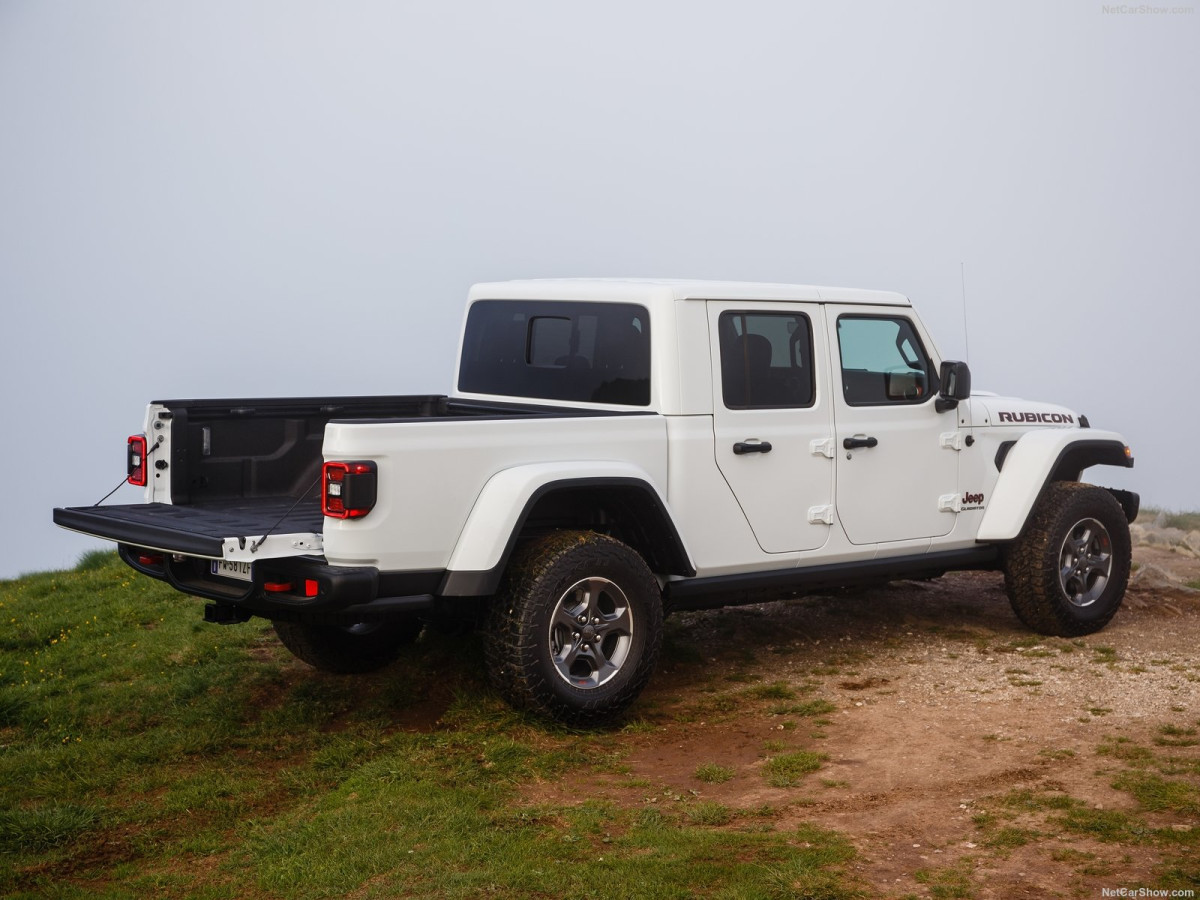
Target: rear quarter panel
[{"x": 431, "y": 474}]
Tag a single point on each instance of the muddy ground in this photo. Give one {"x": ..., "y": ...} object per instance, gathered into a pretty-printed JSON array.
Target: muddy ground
[{"x": 953, "y": 740}]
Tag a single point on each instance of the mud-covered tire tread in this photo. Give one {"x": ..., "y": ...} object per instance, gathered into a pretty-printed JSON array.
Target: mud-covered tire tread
[
  {"x": 332, "y": 648},
  {"x": 539, "y": 569},
  {"x": 1031, "y": 576}
]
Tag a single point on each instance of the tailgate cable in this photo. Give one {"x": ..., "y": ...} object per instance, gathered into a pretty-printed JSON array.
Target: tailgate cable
[
  {"x": 149, "y": 453},
  {"x": 254, "y": 546}
]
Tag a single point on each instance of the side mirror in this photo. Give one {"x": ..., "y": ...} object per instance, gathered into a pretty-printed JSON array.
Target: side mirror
[{"x": 956, "y": 385}]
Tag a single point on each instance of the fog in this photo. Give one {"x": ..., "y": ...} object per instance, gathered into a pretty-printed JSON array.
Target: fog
[{"x": 258, "y": 199}]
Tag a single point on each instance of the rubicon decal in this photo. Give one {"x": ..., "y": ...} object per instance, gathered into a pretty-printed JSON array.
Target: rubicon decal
[
  {"x": 972, "y": 501},
  {"x": 1037, "y": 418}
]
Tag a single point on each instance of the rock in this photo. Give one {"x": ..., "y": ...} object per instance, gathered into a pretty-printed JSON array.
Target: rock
[
  {"x": 1193, "y": 541},
  {"x": 1150, "y": 577},
  {"x": 1165, "y": 537}
]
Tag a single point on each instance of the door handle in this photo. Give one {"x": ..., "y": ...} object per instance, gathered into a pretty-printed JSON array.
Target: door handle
[
  {"x": 853, "y": 443},
  {"x": 743, "y": 447}
]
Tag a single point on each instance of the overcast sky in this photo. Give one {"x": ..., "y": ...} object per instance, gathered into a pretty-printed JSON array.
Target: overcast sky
[{"x": 202, "y": 199}]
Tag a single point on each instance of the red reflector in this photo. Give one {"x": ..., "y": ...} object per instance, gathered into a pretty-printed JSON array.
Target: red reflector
[
  {"x": 277, "y": 587},
  {"x": 135, "y": 459},
  {"x": 311, "y": 587},
  {"x": 150, "y": 559}
]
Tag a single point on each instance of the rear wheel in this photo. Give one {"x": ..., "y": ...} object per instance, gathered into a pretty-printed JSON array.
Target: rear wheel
[
  {"x": 349, "y": 648},
  {"x": 574, "y": 632},
  {"x": 1066, "y": 574}
]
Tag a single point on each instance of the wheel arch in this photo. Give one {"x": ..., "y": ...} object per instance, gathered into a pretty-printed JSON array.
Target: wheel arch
[
  {"x": 1040, "y": 458},
  {"x": 613, "y": 498}
]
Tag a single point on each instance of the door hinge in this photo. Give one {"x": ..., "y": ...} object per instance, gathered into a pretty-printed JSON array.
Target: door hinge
[
  {"x": 820, "y": 515},
  {"x": 822, "y": 447},
  {"x": 952, "y": 440},
  {"x": 950, "y": 503}
]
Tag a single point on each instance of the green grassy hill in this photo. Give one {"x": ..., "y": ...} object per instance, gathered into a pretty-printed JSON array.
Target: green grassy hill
[{"x": 144, "y": 753}]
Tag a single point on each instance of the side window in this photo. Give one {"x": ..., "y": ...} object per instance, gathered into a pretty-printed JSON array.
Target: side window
[
  {"x": 883, "y": 361},
  {"x": 766, "y": 360}
]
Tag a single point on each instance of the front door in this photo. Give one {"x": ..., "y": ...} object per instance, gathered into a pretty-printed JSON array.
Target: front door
[
  {"x": 892, "y": 463},
  {"x": 773, "y": 419}
]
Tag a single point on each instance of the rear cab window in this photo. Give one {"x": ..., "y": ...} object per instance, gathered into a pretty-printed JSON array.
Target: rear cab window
[{"x": 558, "y": 350}]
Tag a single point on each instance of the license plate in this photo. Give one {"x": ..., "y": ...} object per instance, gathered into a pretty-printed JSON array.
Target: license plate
[{"x": 227, "y": 569}]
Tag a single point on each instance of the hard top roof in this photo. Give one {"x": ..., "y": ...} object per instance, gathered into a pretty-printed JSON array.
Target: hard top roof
[{"x": 632, "y": 289}]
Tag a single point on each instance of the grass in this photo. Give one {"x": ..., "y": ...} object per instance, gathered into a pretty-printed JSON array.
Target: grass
[
  {"x": 708, "y": 813},
  {"x": 145, "y": 753},
  {"x": 1057, "y": 754},
  {"x": 777, "y": 690},
  {"x": 1176, "y": 736},
  {"x": 789, "y": 769},
  {"x": 1159, "y": 794},
  {"x": 1104, "y": 654},
  {"x": 711, "y": 773},
  {"x": 1162, "y": 805},
  {"x": 953, "y": 883},
  {"x": 1185, "y": 521},
  {"x": 807, "y": 709},
  {"x": 44, "y": 827}
]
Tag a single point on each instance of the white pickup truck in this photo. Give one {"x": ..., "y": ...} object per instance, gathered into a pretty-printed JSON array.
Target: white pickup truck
[{"x": 614, "y": 450}]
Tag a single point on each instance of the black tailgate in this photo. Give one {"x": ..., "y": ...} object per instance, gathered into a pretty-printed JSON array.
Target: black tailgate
[{"x": 192, "y": 530}]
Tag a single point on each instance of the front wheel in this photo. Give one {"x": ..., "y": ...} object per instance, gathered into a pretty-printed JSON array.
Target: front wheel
[
  {"x": 1066, "y": 574},
  {"x": 349, "y": 648},
  {"x": 575, "y": 630}
]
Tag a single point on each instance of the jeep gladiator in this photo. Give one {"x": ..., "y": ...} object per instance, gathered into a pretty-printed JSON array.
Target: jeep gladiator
[{"x": 615, "y": 450}]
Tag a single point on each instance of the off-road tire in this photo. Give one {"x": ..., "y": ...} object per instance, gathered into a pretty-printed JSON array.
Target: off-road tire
[
  {"x": 529, "y": 641},
  {"x": 349, "y": 648},
  {"x": 1051, "y": 590}
]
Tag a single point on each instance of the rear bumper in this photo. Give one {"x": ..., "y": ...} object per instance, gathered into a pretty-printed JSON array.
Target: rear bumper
[{"x": 292, "y": 587}]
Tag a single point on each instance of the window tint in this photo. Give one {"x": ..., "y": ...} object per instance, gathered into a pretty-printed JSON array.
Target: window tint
[
  {"x": 766, "y": 360},
  {"x": 883, "y": 361},
  {"x": 551, "y": 350}
]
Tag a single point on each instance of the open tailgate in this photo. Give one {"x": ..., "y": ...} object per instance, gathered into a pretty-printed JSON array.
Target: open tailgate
[{"x": 231, "y": 530}]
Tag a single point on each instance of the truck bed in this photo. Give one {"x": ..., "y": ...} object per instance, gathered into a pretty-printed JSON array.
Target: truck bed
[{"x": 240, "y": 468}]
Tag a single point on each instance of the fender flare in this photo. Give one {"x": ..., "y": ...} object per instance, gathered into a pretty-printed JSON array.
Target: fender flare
[
  {"x": 1036, "y": 459},
  {"x": 502, "y": 507}
]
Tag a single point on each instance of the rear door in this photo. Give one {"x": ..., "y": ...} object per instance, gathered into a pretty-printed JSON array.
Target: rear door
[
  {"x": 773, "y": 419},
  {"x": 892, "y": 467}
]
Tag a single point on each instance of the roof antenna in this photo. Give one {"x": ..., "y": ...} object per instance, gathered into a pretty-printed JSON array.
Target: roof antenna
[{"x": 962, "y": 271}]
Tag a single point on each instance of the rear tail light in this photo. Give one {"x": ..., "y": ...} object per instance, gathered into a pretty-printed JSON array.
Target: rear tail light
[
  {"x": 348, "y": 489},
  {"x": 135, "y": 461}
]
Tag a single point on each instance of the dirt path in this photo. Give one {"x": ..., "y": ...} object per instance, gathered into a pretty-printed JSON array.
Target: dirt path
[{"x": 962, "y": 755}]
